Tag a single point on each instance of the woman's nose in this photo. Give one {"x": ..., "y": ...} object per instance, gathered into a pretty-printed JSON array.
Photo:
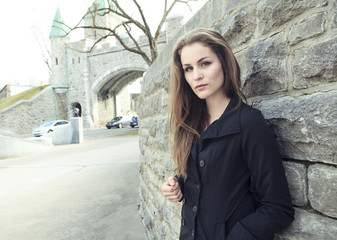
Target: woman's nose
[{"x": 197, "y": 74}]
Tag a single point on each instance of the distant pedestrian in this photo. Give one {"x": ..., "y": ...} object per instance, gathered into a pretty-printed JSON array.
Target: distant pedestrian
[
  {"x": 76, "y": 112},
  {"x": 230, "y": 176}
]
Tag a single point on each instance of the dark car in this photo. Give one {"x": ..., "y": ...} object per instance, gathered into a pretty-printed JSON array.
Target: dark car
[
  {"x": 118, "y": 122},
  {"x": 134, "y": 122}
]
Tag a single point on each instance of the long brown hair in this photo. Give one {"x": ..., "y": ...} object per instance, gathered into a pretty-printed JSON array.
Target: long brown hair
[{"x": 188, "y": 113}]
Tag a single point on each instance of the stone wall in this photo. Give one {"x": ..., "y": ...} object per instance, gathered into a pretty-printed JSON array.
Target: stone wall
[
  {"x": 25, "y": 115},
  {"x": 287, "y": 51}
]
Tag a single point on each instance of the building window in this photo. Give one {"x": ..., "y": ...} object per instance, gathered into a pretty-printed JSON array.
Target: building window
[
  {"x": 79, "y": 60},
  {"x": 73, "y": 61},
  {"x": 56, "y": 61}
]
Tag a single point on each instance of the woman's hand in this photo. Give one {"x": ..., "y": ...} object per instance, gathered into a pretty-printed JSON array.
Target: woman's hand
[{"x": 171, "y": 189}]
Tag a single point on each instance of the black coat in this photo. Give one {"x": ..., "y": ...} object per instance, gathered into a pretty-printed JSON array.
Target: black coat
[{"x": 235, "y": 186}]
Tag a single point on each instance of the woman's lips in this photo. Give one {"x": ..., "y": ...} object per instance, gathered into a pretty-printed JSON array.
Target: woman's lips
[{"x": 200, "y": 86}]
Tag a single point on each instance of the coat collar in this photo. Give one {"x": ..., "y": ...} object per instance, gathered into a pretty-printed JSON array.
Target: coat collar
[{"x": 227, "y": 124}]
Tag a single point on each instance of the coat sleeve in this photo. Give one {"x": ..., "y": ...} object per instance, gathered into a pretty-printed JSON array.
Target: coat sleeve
[
  {"x": 263, "y": 160},
  {"x": 181, "y": 184}
]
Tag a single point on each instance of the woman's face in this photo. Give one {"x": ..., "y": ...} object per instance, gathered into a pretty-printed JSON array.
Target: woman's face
[{"x": 203, "y": 71}]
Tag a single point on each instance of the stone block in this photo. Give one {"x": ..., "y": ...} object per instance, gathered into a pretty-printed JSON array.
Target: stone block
[
  {"x": 239, "y": 28},
  {"x": 309, "y": 226},
  {"x": 77, "y": 129},
  {"x": 315, "y": 65},
  {"x": 275, "y": 13},
  {"x": 152, "y": 127},
  {"x": 264, "y": 66},
  {"x": 61, "y": 135},
  {"x": 306, "y": 126},
  {"x": 334, "y": 18},
  {"x": 309, "y": 27},
  {"x": 162, "y": 134},
  {"x": 165, "y": 104},
  {"x": 296, "y": 174},
  {"x": 231, "y": 5},
  {"x": 161, "y": 79},
  {"x": 217, "y": 9},
  {"x": 148, "y": 85},
  {"x": 323, "y": 189},
  {"x": 203, "y": 19}
]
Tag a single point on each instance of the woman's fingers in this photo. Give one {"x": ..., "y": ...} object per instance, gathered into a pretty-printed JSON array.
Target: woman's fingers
[
  {"x": 172, "y": 181},
  {"x": 171, "y": 189}
]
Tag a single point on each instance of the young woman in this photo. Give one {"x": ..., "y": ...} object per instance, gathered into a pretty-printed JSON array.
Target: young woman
[{"x": 230, "y": 176}]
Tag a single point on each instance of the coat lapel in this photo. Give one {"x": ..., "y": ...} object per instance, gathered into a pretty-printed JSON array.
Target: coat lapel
[{"x": 228, "y": 123}]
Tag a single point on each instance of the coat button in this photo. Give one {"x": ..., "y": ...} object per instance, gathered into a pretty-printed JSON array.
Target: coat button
[
  {"x": 202, "y": 163},
  {"x": 195, "y": 209},
  {"x": 183, "y": 222},
  {"x": 184, "y": 200},
  {"x": 192, "y": 233},
  {"x": 185, "y": 179}
]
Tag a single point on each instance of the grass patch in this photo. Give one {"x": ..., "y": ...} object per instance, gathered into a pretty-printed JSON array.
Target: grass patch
[{"x": 26, "y": 95}]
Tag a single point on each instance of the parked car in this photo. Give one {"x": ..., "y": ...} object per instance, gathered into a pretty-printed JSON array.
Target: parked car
[
  {"x": 49, "y": 127},
  {"x": 134, "y": 122},
  {"x": 118, "y": 122}
]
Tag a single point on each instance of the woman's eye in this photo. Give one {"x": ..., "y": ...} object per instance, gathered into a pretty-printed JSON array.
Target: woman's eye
[
  {"x": 205, "y": 64},
  {"x": 187, "y": 69}
]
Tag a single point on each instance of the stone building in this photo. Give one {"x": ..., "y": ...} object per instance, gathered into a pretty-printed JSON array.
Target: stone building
[
  {"x": 96, "y": 82},
  {"x": 72, "y": 64},
  {"x": 287, "y": 52}
]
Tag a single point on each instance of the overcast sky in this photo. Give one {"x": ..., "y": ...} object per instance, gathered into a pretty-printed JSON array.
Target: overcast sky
[{"x": 21, "y": 57}]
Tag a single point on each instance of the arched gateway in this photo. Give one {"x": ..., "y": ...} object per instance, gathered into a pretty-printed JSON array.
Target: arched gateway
[{"x": 92, "y": 80}]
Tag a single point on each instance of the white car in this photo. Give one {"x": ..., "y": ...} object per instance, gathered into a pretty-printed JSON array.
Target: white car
[{"x": 49, "y": 127}]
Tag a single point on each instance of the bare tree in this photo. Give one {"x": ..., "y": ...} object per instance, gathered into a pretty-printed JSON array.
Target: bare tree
[
  {"x": 127, "y": 25},
  {"x": 43, "y": 46}
]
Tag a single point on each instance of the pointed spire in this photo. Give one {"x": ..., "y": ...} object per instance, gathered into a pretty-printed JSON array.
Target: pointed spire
[
  {"x": 58, "y": 29},
  {"x": 101, "y": 4}
]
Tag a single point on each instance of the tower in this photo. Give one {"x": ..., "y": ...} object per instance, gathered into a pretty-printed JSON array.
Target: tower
[
  {"x": 98, "y": 18},
  {"x": 58, "y": 44}
]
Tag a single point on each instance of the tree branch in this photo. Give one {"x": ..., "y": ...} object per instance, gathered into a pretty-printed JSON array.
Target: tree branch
[{"x": 127, "y": 25}]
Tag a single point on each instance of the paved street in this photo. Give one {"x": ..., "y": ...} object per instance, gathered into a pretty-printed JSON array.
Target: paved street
[{"x": 81, "y": 191}]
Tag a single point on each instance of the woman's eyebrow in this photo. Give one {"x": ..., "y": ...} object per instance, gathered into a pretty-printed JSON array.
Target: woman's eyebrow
[{"x": 200, "y": 60}]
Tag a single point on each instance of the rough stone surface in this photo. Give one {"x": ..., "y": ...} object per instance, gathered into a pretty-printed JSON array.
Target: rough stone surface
[
  {"x": 24, "y": 116},
  {"x": 323, "y": 189},
  {"x": 306, "y": 126},
  {"x": 239, "y": 28},
  {"x": 264, "y": 66},
  {"x": 231, "y": 5},
  {"x": 275, "y": 13},
  {"x": 296, "y": 174},
  {"x": 334, "y": 14},
  {"x": 309, "y": 226},
  {"x": 308, "y": 27},
  {"x": 315, "y": 65}
]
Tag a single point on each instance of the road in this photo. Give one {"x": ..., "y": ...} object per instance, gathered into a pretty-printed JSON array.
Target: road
[
  {"x": 79, "y": 191},
  {"x": 100, "y": 132}
]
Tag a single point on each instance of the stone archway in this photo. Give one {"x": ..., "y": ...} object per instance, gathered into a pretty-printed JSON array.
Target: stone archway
[{"x": 106, "y": 87}]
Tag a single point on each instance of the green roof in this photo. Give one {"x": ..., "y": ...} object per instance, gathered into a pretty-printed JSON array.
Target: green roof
[
  {"x": 58, "y": 29},
  {"x": 100, "y": 5}
]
